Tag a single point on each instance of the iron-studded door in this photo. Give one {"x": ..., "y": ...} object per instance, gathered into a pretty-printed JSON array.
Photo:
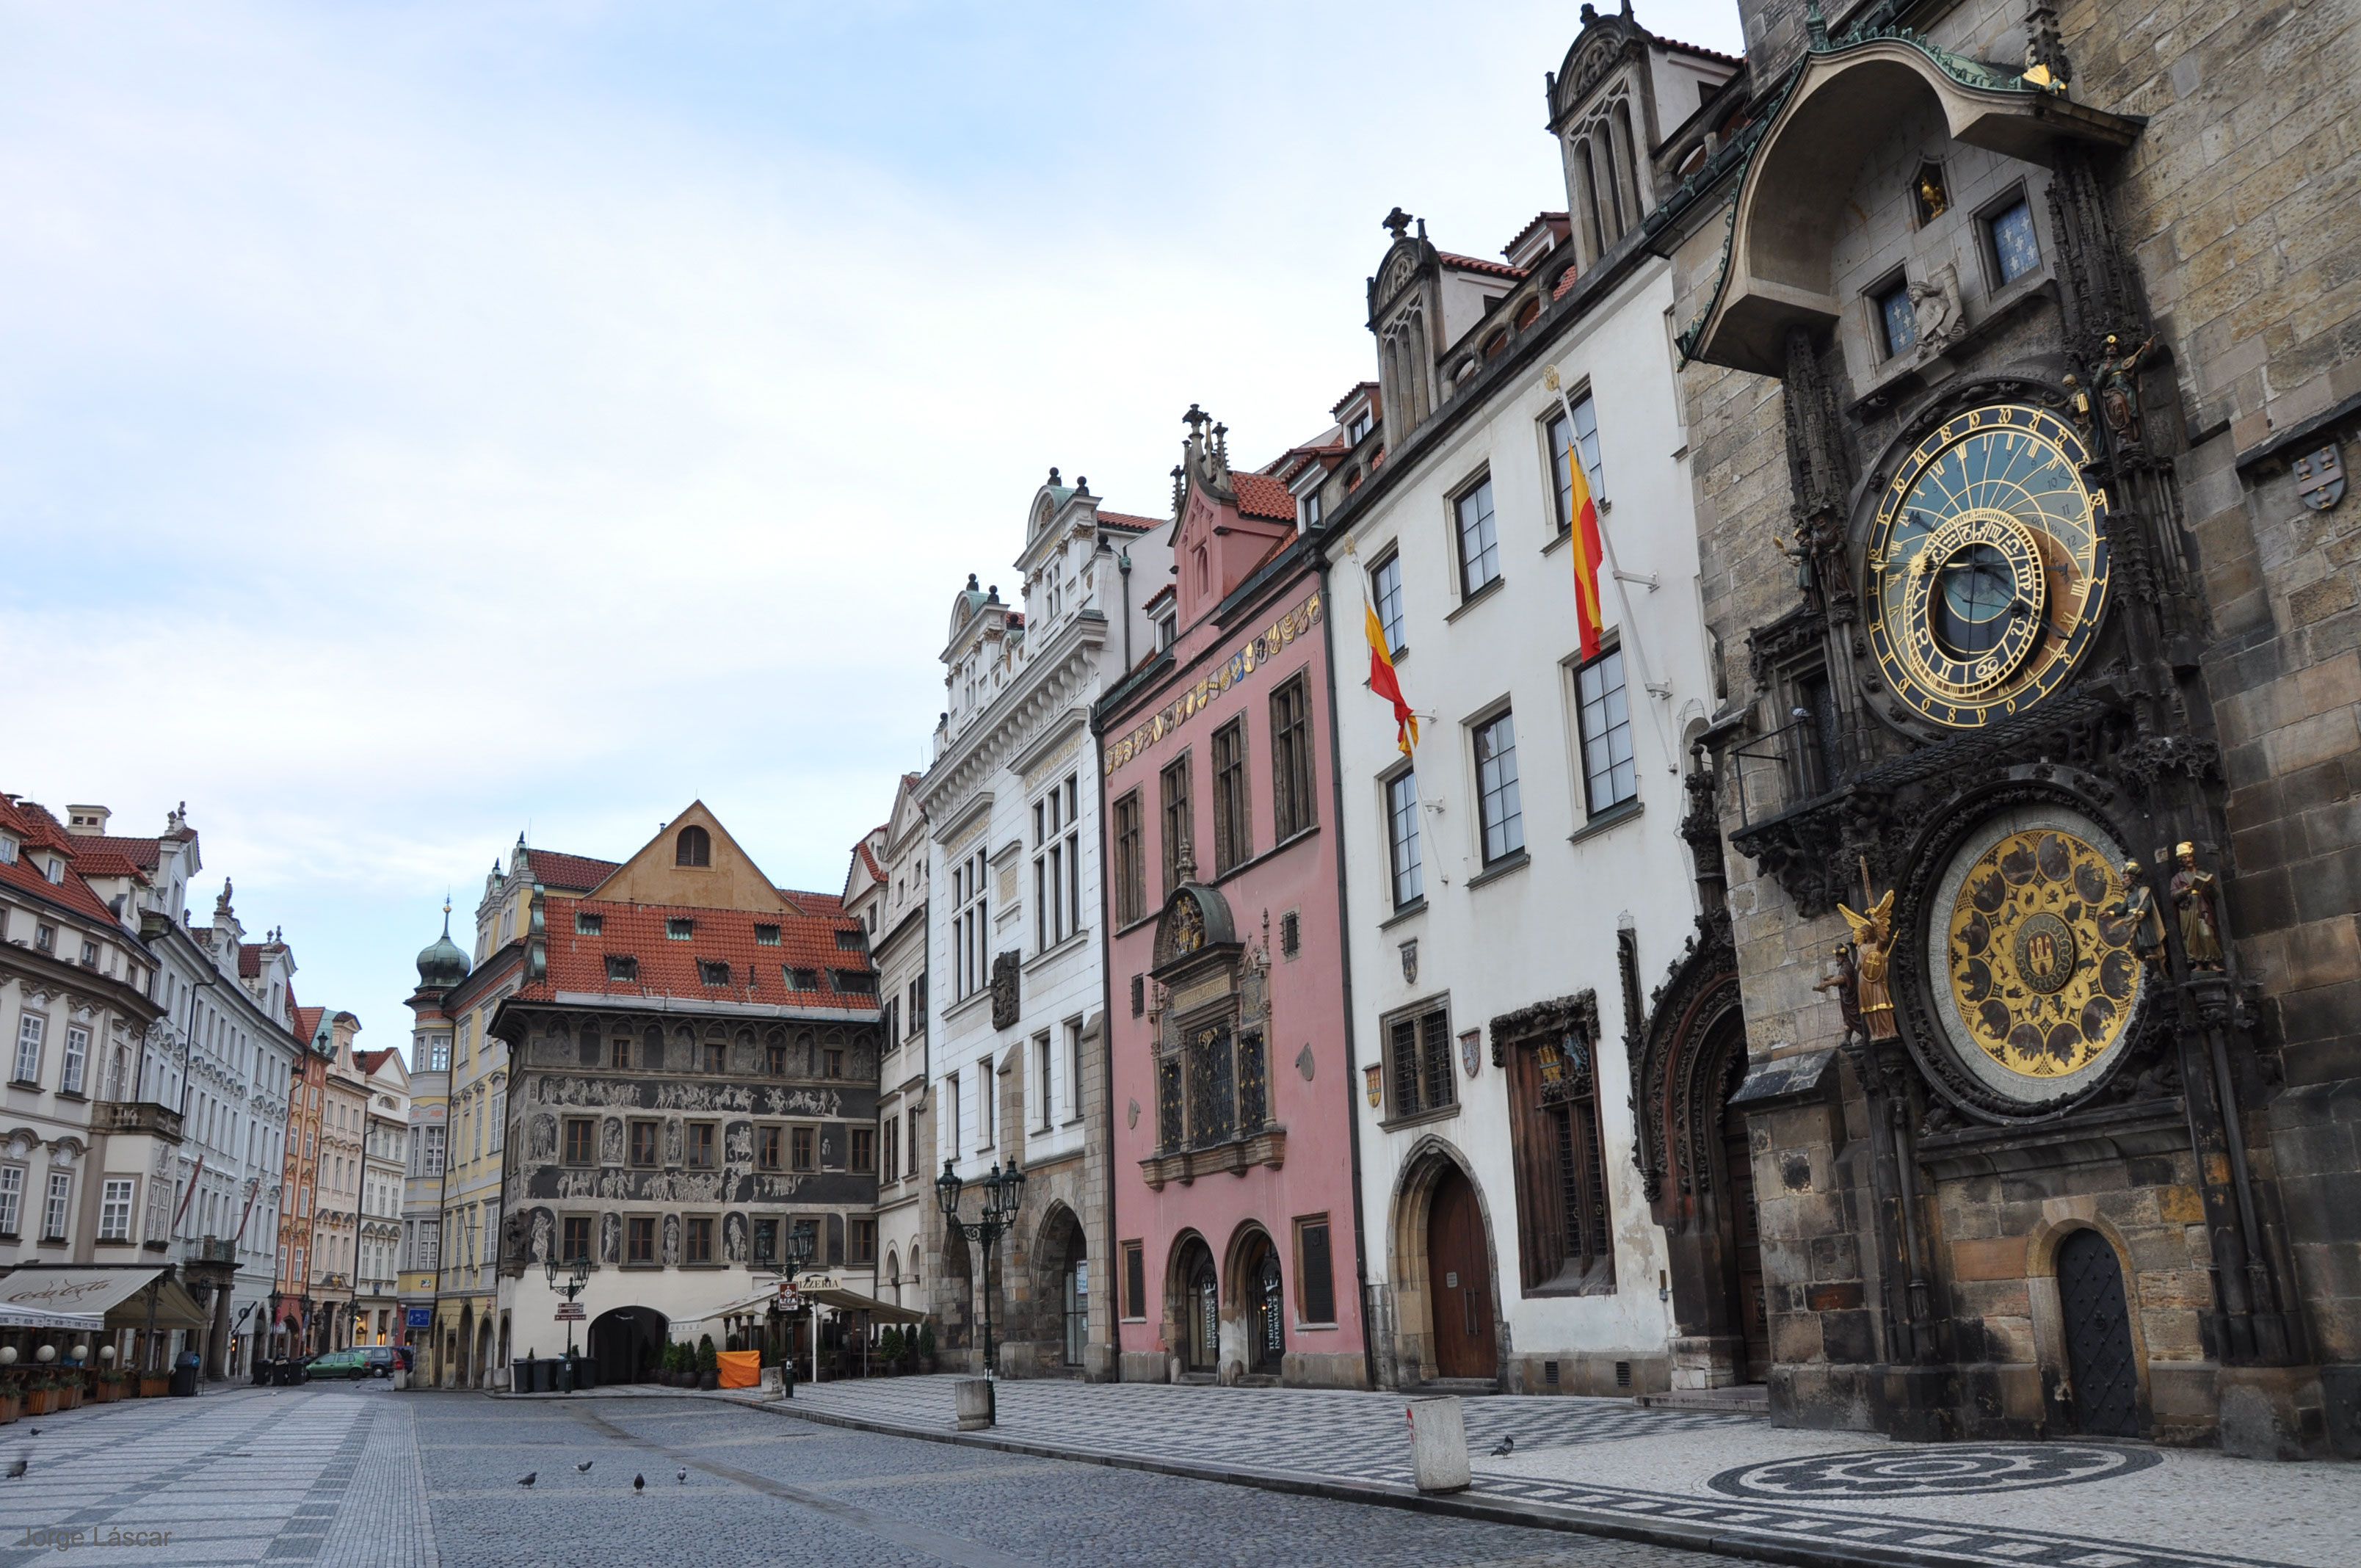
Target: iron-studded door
[
  {"x": 2098, "y": 1337},
  {"x": 1459, "y": 1279}
]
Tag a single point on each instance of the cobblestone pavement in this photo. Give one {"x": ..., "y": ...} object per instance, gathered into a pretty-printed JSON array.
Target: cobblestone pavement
[
  {"x": 1736, "y": 1480},
  {"x": 357, "y": 1475}
]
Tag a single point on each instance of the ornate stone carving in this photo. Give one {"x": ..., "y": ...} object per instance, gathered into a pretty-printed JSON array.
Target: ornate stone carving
[{"x": 1005, "y": 1007}]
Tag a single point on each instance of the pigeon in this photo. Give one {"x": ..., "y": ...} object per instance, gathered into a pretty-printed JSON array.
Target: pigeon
[
  {"x": 681, "y": 1476},
  {"x": 584, "y": 1468},
  {"x": 1506, "y": 1445},
  {"x": 527, "y": 1480},
  {"x": 35, "y": 1431},
  {"x": 639, "y": 1483},
  {"x": 23, "y": 1462}
]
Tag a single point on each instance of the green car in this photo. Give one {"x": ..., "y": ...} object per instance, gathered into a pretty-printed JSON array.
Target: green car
[{"x": 338, "y": 1364}]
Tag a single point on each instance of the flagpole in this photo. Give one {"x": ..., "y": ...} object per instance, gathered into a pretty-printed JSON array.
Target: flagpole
[{"x": 1629, "y": 626}]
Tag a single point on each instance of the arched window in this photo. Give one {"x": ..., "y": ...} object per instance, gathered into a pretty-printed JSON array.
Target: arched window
[
  {"x": 1625, "y": 156},
  {"x": 1586, "y": 191},
  {"x": 694, "y": 847}
]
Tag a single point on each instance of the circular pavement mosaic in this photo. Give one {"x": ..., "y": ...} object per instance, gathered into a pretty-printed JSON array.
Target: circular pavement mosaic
[{"x": 1948, "y": 1471}]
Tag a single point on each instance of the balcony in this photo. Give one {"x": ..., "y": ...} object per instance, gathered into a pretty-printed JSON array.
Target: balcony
[
  {"x": 135, "y": 1116},
  {"x": 1267, "y": 1146},
  {"x": 209, "y": 1249}
]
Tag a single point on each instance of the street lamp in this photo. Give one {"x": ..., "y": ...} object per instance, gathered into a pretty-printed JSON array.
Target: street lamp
[
  {"x": 1004, "y": 1193},
  {"x": 570, "y": 1280},
  {"x": 796, "y": 1248}
]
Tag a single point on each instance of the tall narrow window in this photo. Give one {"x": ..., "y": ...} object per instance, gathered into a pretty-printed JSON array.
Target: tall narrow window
[
  {"x": 1609, "y": 777},
  {"x": 2016, "y": 250},
  {"x": 969, "y": 934},
  {"x": 1293, "y": 808},
  {"x": 1044, "y": 1100},
  {"x": 77, "y": 1056},
  {"x": 1232, "y": 829},
  {"x": 1180, "y": 829},
  {"x": 1057, "y": 865},
  {"x": 1565, "y": 1238},
  {"x": 1135, "y": 1280},
  {"x": 1499, "y": 806},
  {"x": 1583, "y": 432},
  {"x": 1386, "y": 598},
  {"x": 693, "y": 847},
  {"x": 1402, "y": 837},
  {"x": 1897, "y": 320},
  {"x": 1130, "y": 868},
  {"x": 1479, "y": 546},
  {"x": 29, "y": 1030},
  {"x": 1073, "y": 1067},
  {"x": 1315, "y": 1278},
  {"x": 114, "y": 1210},
  {"x": 59, "y": 1206}
]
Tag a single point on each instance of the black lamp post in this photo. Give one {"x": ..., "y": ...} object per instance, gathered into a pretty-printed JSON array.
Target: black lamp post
[
  {"x": 570, "y": 1278},
  {"x": 1004, "y": 1193},
  {"x": 797, "y": 1245}
]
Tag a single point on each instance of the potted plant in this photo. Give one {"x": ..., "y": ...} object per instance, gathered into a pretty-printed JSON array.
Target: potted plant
[
  {"x": 154, "y": 1385},
  {"x": 41, "y": 1394},
  {"x": 708, "y": 1365},
  {"x": 108, "y": 1387},
  {"x": 68, "y": 1389},
  {"x": 683, "y": 1366},
  {"x": 12, "y": 1396},
  {"x": 889, "y": 1348},
  {"x": 927, "y": 1345}
]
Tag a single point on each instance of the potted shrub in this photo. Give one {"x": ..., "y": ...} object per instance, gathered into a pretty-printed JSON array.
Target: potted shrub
[
  {"x": 708, "y": 1367},
  {"x": 889, "y": 1348},
  {"x": 69, "y": 1390},
  {"x": 108, "y": 1385},
  {"x": 12, "y": 1396},
  {"x": 153, "y": 1384},
  {"x": 927, "y": 1345},
  {"x": 683, "y": 1366},
  {"x": 41, "y": 1394}
]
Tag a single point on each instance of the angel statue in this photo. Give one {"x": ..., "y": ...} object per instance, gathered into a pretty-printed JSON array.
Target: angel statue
[{"x": 1872, "y": 945}]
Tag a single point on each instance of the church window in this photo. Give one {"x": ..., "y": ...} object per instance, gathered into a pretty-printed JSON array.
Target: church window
[
  {"x": 2016, "y": 249},
  {"x": 1418, "y": 1053},
  {"x": 1292, "y": 805},
  {"x": 1233, "y": 824},
  {"x": 693, "y": 847},
  {"x": 1898, "y": 322},
  {"x": 1180, "y": 830}
]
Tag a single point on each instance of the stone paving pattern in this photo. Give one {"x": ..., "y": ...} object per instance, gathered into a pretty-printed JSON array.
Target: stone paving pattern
[{"x": 1609, "y": 1462}]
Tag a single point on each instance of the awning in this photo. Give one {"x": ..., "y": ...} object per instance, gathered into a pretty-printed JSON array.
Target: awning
[
  {"x": 16, "y": 1317},
  {"x": 115, "y": 1297},
  {"x": 817, "y": 1288}
]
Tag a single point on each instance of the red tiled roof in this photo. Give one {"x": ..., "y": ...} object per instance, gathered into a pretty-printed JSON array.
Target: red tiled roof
[
  {"x": 1337, "y": 408},
  {"x": 44, "y": 836},
  {"x": 145, "y": 853},
  {"x": 1560, "y": 222},
  {"x": 107, "y": 861},
  {"x": 1566, "y": 283},
  {"x": 1700, "y": 49},
  {"x": 1129, "y": 520},
  {"x": 573, "y": 874},
  {"x": 868, "y": 859},
  {"x": 667, "y": 966},
  {"x": 1259, "y": 495},
  {"x": 820, "y": 905},
  {"x": 250, "y": 960},
  {"x": 370, "y": 1061},
  {"x": 307, "y": 1021},
  {"x": 1477, "y": 264}
]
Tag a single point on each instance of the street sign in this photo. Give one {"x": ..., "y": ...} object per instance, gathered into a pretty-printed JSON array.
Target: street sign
[
  {"x": 570, "y": 1312},
  {"x": 422, "y": 1317}
]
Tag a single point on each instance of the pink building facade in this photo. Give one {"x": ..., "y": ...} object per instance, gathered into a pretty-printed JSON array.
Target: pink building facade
[{"x": 1237, "y": 1253}]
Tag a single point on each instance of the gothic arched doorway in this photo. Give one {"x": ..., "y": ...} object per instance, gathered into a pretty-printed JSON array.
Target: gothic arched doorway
[
  {"x": 1262, "y": 1302},
  {"x": 1061, "y": 1289},
  {"x": 627, "y": 1344},
  {"x": 2099, "y": 1359},
  {"x": 1197, "y": 1308},
  {"x": 1459, "y": 1280}
]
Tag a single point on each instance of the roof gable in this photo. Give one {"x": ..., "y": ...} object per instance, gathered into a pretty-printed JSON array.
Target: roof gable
[{"x": 729, "y": 880}]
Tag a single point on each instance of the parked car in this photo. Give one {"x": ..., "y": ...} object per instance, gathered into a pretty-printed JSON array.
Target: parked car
[
  {"x": 384, "y": 1358},
  {"x": 339, "y": 1364}
]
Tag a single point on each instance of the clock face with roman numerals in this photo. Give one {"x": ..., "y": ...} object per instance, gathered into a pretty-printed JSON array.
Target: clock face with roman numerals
[{"x": 1987, "y": 566}]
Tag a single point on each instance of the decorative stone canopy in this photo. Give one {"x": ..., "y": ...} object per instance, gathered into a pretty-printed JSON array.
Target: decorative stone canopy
[{"x": 1776, "y": 269}]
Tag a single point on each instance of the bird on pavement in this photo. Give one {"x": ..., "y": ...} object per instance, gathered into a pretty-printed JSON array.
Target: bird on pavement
[
  {"x": 1506, "y": 1445},
  {"x": 35, "y": 1431},
  {"x": 23, "y": 1462},
  {"x": 639, "y": 1483},
  {"x": 527, "y": 1480},
  {"x": 584, "y": 1468},
  {"x": 681, "y": 1476}
]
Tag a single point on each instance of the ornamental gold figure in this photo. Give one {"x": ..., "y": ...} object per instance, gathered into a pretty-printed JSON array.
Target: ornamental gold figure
[{"x": 2193, "y": 894}]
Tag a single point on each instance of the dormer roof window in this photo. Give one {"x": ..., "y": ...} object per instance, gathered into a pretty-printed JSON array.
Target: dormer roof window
[
  {"x": 680, "y": 928},
  {"x": 8, "y": 849}
]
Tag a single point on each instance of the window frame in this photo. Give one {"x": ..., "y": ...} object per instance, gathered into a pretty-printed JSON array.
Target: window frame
[
  {"x": 1177, "y": 812},
  {"x": 1129, "y": 833},
  {"x": 1305, "y": 1224},
  {"x": 1389, "y": 808},
  {"x": 587, "y": 1129},
  {"x": 653, "y": 1144},
  {"x": 1385, "y": 585},
  {"x": 1488, "y": 525},
  {"x": 1294, "y": 767},
  {"x": 1628, "y": 767},
  {"x": 1988, "y": 220},
  {"x": 1881, "y": 324},
  {"x": 1553, "y": 453},
  {"x": 642, "y": 1245},
  {"x": 1413, "y": 1097},
  {"x": 114, "y": 1213},
  {"x": 1489, "y": 798},
  {"x": 1232, "y": 798}
]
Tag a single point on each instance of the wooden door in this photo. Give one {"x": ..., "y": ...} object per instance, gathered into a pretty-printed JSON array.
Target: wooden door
[
  {"x": 1745, "y": 1246},
  {"x": 1459, "y": 1282},
  {"x": 2099, "y": 1358}
]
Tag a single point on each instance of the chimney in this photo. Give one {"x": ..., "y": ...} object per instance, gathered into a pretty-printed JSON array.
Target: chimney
[{"x": 87, "y": 821}]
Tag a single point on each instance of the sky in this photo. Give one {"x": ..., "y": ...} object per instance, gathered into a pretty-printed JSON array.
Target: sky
[{"x": 422, "y": 424}]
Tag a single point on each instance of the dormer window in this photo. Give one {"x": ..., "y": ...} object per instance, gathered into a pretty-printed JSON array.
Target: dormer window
[
  {"x": 622, "y": 968},
  {"x": 692, "y": 847},
  {"x": 1167, "y": 632},
  {"x": 7, "y": 851},
  {"x": 852, "y": 941},
  {"x": 766, "y": 935},
  {"x": 1307, "y": 507},
  {"x": 680, "y": 928},
  {"x": 1363, "y": 422},
  {"x": 802, "y": 979},
  {"x": 55, "y": 871},
  {"x": 713, "y": 972},
  {"x": 589, "y": 925}
]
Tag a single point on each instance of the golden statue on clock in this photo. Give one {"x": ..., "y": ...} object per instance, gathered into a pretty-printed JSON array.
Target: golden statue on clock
[{"x": 1986, "y": 566}]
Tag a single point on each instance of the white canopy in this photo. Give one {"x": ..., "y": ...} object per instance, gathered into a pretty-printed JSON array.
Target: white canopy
[
  {"x": 818, "y": 1288},
  {"x": 92, "y": 1295}
]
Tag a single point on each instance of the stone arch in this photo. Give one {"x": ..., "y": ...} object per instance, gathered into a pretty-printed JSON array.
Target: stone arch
[
  {"x": 1802, "y": 171},
  {"x": 1060, "y": 1254},
  {"x": 1191, "y": 1331},
  {"x": 958, "y": 1291},
  {"x": 1409, "y": 1260},
  {"x": 1251, "y": 1314},
  {"x": 2062, "y": 1218},
  {"x": 894, "y": 1275}
]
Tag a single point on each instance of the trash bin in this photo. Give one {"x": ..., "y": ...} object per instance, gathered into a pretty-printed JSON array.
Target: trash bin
[
  {"x": 545, "y": 1376},
  {"x": 586, "y": 1372},
  {"x": 185, "y": 1375},
  {"x": 519, "y": 1376}
]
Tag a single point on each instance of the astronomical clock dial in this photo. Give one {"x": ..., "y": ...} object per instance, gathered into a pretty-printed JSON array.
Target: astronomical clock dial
[
  {"x": 1987, "y": 566},
  {"x": 2033, "y": 974}
]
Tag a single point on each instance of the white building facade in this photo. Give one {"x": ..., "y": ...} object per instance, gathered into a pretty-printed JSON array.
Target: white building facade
[
  {"x": 887, "y": 891},
  {"x": 1017, "y": 979},
  {"x": 1512, "y": 883}
]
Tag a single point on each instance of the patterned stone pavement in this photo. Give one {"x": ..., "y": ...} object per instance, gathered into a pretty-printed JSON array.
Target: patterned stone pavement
[
  {"x": 1731, "y": 1480},
  {"x": 355, "y": 1475}
]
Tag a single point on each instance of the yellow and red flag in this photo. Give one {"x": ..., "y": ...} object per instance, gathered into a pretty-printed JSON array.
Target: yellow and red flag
[
  {"x": 1588, "y": 550},
  {"x": 1385, "y": 683}
]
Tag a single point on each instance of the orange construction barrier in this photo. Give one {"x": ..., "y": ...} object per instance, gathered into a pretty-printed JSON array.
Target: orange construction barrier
[{"x": 741, "y": 1368}]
